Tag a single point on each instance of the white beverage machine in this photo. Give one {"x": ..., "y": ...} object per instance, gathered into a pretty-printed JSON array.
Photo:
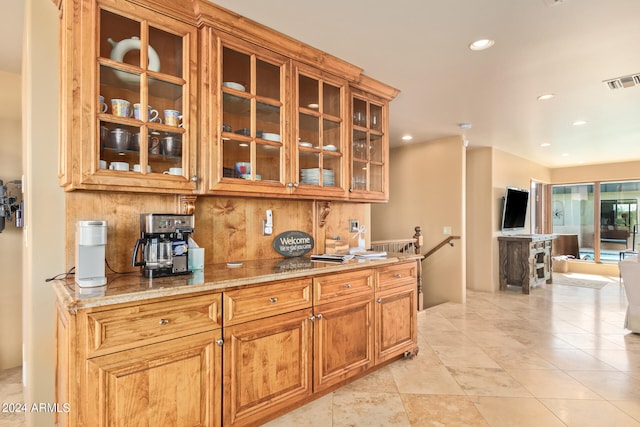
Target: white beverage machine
[{"x": 91, "y": 240}]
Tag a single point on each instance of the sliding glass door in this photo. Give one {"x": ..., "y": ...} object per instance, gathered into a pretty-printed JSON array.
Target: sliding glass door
[{"x": 572, "y": 213}]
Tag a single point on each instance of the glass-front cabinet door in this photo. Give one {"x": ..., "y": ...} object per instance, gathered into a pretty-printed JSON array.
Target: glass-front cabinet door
[
  {"x": 249, "y": 120},
  {"x": 319, "y": 152},
  {"x": 369, "y": 148},
  {"x": 143, "y": 104}
]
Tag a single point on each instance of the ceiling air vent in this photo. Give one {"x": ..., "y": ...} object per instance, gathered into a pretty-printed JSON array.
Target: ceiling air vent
[{"x": 623, "y": 82}]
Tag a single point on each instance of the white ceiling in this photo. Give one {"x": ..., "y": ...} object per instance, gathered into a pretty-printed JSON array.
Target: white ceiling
[{"x": 420, "y": 47}]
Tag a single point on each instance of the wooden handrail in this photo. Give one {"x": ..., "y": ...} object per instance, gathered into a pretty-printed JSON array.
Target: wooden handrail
[{"x": 439, "y": 245}]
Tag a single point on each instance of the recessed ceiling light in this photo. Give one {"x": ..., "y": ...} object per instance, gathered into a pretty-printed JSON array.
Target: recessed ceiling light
[
  {"x": 546, "y": 96},
  {"x": 464, "y": 125},
  {"x": 565, "y": 154},
  {"x": 481, "y": 44},
  {"x": 407, "y": 138},
  {"x": 579, "y": 123},
  {"x": 545, "y": 144}
]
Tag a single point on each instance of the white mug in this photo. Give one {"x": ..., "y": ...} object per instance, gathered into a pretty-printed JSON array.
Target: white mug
[
  {"x": 152, "y": 115},
  {"x": 136, "y": 168},
  {"x": 119, "y": 166},
  {"x": 173, "y": 171}
]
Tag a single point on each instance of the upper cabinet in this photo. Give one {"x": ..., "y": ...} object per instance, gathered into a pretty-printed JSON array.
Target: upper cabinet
[
  {"x": 245, "y": 106},
  {"x": 369, "y": 148},
  {"x": 130, "y": 124},
  {"x": 159, "y": 96}
]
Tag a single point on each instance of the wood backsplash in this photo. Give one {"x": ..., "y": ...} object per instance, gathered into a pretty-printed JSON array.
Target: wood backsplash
[{"x": 229, "y": 228}]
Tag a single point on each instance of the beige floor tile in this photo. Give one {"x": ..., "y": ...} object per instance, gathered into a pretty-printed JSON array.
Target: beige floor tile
[
  {"x": 510, "y": 358},
  {"x": 515, "y": 411},
  {"x": 318, "y": 413},
  {"x": 630, "y": 407},
  {"x": 464, "y": 356},
  {"x": 586, "y": 413},
  {"x": 573, "y": 358},
  {"x": 488, "y": 382},
  {"x": 439, "y": 410},
  {"x": 381, "y": 380},
  {"x": 425, "y": 379},
  {"x": 552, "y": 384},
  {"x": 609, "y": 385},
  {"x": 369, "y": 409}
]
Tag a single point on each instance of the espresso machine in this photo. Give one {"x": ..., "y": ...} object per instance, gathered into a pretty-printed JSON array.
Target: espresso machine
[{"x": 163, "y": 244}]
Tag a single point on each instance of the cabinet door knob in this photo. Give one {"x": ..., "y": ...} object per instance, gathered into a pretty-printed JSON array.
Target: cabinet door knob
[
  {"x": 398, "y": 275},
  {"x": 312, "y": 318},
  {"x": 379, "y": 300},
  {"x": 273, "y": 299},
  {"x": 319, "y": 316},
  {"x": 347, "y": 285},
  {"x": 220, "y": 341},
  {"x": 194, "y": 178},
  {"x": 295, "y": 184},
  {"x": 164, "y": 321}
]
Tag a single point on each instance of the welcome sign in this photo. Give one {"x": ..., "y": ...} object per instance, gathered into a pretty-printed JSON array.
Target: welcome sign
[{"x": 293, "y": 243}]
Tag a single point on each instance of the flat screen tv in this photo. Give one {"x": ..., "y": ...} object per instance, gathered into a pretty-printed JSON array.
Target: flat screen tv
[{"x": 514, "y": 211}]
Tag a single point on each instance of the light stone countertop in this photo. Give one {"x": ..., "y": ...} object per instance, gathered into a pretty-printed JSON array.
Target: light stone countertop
[{"x": 132, "y": 287}]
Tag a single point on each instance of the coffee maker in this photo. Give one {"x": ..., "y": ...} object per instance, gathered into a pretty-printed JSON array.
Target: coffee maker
[{"x": 164, "y": 244}]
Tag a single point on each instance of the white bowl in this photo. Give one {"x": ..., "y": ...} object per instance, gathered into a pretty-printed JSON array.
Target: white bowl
[
  {"x": 271, "y": 136},
  {"x": 305, "y": 144},
  {"x": 232, "y": 85},
  {"x": 330, "y": 148}
]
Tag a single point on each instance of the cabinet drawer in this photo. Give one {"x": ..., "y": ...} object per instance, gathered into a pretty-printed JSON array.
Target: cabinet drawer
[
  {"x": 342, "y": 285},
  {"x": 396, "y": 275},
  {"x": 258, "y": 302},
  {"x": 122, "y": 328}
]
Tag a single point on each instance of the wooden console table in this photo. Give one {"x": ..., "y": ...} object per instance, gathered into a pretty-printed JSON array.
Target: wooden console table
[{"x": 525, "y": 260}]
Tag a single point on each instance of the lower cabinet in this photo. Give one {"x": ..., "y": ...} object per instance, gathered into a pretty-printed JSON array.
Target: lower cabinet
[
  {"x": 174, "y": 383},
  {"x": 343, "y": 341},
  {"x": 396, "y": 322},
  {"x": 271, "y": 348},
  {"x": 267, "y": 366}
]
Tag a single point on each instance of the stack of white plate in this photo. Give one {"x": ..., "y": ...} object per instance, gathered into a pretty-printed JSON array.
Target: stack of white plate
[{"x": 312, "y": 176}]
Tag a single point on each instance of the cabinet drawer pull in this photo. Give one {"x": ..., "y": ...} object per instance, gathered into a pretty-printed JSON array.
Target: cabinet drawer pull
[
  {"x": 347, "y": 285},
  {"x": 273, "y": 299},
  {"x": 379, "y": 300},
  {"x": 219, "y": 342},
  {"x": 398, "y": 275},
  {"x": 319, "y": 316},
  {"x": 312, "y": 318},
  {"x": 164, "y": 321}
]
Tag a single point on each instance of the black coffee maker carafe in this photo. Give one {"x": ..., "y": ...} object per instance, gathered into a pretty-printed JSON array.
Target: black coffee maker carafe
[{"x": 163, "y": 244}]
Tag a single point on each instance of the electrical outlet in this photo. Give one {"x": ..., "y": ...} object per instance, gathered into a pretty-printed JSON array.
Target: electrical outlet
[{"x": 354, "y": 225}]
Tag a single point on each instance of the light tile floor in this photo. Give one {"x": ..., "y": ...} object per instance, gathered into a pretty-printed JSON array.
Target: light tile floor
[{"x": 556, "y": 357}]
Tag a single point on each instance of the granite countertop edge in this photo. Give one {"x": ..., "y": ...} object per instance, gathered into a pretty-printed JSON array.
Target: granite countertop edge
[{"x": 132, "y": 287}]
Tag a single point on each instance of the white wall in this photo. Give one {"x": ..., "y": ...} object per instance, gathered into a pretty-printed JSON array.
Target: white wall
[
  {"x": 11, "y": 237},
  {"x": 44, "y": 203}
]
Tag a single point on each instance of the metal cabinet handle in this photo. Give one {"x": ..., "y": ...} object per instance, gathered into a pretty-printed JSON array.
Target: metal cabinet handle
[
  {"x": 194, "y": 178},
  {"x": 319, "y": 316},
  {"x": 273, "y": 299},
  {"x": 164, "y": 321},
  {"x": 398, "y": 275},
  {"x": 220, "y": 341},
  {"x": 379, "y": 300},
  {"x": 347, "y": 285}
]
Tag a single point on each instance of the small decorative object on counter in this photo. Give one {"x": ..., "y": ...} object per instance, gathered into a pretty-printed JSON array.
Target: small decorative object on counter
[
  {"x": 293, "y": 243},
  {"x": 361, "y": 242}
]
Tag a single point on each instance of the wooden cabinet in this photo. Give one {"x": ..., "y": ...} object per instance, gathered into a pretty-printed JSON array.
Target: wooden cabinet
[
  {"x": 343, "y": 341},
  {"x": 267, "y": 366},
  {"x": 156, "y": 363},
  {"x": 395, "y": 311},
  {"x": 267, "y": 350},
  {"x": 369, "y": 177},
  {"x": 128, "y": 91},
  {"x": 525, "y": 260},
  {"x": 159, "y": 96},
  {"x": 168, "y": 384}
]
